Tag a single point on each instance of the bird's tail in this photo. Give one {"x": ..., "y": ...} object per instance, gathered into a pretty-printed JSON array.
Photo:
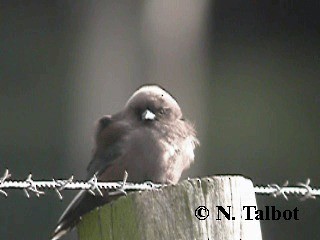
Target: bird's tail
[
  {"x": 80, "y": 205},
  {"x": 59, "y": 232}
]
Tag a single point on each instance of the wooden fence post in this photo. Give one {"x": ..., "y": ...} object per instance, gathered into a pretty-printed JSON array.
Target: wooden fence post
[{"x": 170, "y": 213}]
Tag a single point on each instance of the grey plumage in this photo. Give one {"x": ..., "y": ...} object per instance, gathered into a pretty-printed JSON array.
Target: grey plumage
[{"x": 149, "y": 139}]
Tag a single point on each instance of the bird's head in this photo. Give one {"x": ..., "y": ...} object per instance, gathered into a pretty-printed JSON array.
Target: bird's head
[{"x": 152, "y": 103}]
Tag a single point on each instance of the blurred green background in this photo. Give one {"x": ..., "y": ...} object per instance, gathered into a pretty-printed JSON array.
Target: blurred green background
[{"x": 245, "y": 72}]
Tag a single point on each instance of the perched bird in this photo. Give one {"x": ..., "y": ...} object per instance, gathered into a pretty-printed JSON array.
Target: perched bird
[{"x": 149, "y": 139}]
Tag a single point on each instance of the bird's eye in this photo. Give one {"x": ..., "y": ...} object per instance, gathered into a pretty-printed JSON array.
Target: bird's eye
[{"x": 162, "y": 111}]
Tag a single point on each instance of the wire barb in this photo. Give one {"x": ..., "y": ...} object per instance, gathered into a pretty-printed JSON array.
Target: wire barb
[
  {"x": 5, "y": 176},
  {"x": 94, "y": 186},
  {"x": 60, "y": 185},
  {"x": 279, "y": 190},
  {"x": 309, "y": 190},
  {"x": 121, "y": 190},
  {"x": 32, "y": 187}
]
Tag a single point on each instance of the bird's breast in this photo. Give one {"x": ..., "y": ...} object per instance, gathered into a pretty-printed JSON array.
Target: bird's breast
[{"x": 151, "y": 156}]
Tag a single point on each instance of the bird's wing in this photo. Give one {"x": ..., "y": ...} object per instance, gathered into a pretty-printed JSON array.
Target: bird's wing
[{"x": 107, "y": 150}]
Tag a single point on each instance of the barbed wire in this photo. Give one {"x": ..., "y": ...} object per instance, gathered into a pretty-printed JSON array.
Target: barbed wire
[
  {"x": 93, "y": 185},
  {"x": 303, "y": 190}
]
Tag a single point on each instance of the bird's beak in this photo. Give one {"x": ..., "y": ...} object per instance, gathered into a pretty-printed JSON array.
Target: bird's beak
[{"x": 148, "y": 115}]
